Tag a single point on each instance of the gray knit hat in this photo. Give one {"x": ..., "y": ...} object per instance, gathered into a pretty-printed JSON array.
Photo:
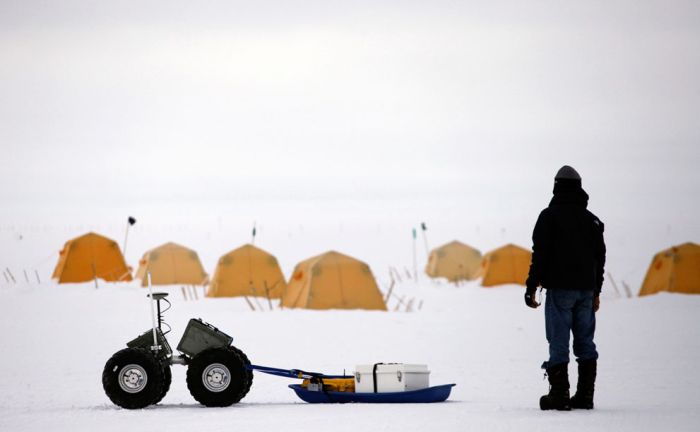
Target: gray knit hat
[{"x": 567, "y": 173}]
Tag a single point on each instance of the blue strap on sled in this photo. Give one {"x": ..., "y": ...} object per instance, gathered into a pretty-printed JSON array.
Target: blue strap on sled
[{"x": 292, "y": 373}]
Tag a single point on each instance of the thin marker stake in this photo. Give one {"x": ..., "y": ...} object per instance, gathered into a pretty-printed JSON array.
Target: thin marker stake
[
  {"x": 9, "y": 273},
  {"x": 424, "y": 228},
  {"x": 415, "y": 262}
]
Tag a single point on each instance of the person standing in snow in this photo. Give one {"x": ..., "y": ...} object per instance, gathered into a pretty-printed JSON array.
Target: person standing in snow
[{"x": 568, "y": 261}]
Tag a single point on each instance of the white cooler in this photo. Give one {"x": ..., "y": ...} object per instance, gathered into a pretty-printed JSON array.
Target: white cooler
[{"x": 391, "y": 377}]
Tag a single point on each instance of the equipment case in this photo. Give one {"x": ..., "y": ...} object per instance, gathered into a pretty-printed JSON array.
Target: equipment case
[
  {"x": 199, "y": 336},
  {"x": 391, "y": 377}
]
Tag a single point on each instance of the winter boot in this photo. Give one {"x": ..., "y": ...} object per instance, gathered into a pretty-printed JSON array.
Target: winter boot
[
  {"x": 558, "y": 397},
  {"x": 583, "y": 399}
]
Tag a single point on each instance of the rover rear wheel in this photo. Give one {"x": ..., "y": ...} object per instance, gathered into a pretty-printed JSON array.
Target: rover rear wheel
[
  {"x": 218, "y": 377},
  {"x": 167, "y": 380}
]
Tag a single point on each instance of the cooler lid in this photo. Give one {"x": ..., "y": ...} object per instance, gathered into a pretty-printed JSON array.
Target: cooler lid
[{"x": 392, "y": 367}]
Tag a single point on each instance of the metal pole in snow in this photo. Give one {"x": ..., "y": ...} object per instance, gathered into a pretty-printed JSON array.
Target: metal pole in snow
[
  {"x": 126, "y": 237},
  {"x": 249, "y": 303},
  {"x": 391, "y": 288},
  {"x": 415, "y": 263},
  {"x": 267, "y": 294},
  {"x": 254, "y": 294},
  {"x": 425, "y": 239},
  {"x": 9, "y": 273},
  {"x": 94, "y": 273},
  {"x": 614, "y": 284},
  {"x": 627, "y": 289},
  {"x": 129, "y": 221}
]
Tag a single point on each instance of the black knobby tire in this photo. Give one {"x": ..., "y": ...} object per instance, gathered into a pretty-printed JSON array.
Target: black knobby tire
[
  {"x": 167, "y": 379},
  {"x": 217, "y": 377},
  {"x": 133, "y": 378},
  {"x": 249, "y": 373}
]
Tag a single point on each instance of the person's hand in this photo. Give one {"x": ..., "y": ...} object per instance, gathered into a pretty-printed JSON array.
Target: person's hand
[
  {"x": 530, "y": 298},
  {"x": 596, "y": 303}
]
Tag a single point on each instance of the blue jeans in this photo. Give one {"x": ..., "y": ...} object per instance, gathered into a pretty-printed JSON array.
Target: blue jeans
[{"x": 566, "y": 312}]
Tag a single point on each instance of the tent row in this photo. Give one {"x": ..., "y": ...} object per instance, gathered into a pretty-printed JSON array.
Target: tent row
[
  {"x": 327, "y": 281},
  {"x": 332, "y": 280},
  {"x": 676, "y": 269},
  {"x": 456, "y": 261}
]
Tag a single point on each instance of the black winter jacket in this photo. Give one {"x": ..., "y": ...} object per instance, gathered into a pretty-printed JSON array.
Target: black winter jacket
[{"x": 568, "y": 246}]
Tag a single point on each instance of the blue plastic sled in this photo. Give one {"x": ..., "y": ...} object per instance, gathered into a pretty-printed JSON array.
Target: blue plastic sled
[{"x": 427, "y": 395}]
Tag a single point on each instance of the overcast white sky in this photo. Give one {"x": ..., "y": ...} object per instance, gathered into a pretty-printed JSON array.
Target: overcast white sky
[{"x": 219, "y": 98}]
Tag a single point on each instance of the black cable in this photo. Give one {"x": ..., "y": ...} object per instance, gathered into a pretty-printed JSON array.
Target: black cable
[{"x": 160, "y": 316}]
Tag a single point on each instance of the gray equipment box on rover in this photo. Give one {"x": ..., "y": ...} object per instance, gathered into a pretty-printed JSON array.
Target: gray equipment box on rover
[
  {"x": 146, "y": 341},
  {"x": 199, "y": 336}
]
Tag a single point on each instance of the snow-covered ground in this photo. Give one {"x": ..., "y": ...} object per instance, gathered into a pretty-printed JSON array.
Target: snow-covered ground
[{"x": 56, "y": 340}]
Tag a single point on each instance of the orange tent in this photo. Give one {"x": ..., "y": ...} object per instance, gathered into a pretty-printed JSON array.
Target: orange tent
[
  {"x": 333, "y": 281},
  {"x": 675, "y": 270},
  {"x": 509, "y": 264},
  {"x": 454, "y": 261},
  {"x": 88, "y": 257},
  {"x": 247, "y": 271},
  {"x": 171, "y": 264}
]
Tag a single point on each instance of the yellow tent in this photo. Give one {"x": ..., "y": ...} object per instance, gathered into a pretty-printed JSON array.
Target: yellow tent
[
  {"x": 509, "y": 264},
  {"x": 88, "y": 257},
  {"x": 247, "y": 271},
  {"x": 675, "y": 270},
  {"x": 171, "y": 264},
  {"x": 333, "y": 281},
  {"x": 454, "y": 261}
]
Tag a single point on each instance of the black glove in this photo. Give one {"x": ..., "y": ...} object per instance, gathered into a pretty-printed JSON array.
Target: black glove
[
  {"x": 596, "y": 303},
  {"x": 530, "y": 298}
]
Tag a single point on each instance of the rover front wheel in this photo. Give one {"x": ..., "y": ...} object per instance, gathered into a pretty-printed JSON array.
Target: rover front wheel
[{"x": 133, "y": 378}]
